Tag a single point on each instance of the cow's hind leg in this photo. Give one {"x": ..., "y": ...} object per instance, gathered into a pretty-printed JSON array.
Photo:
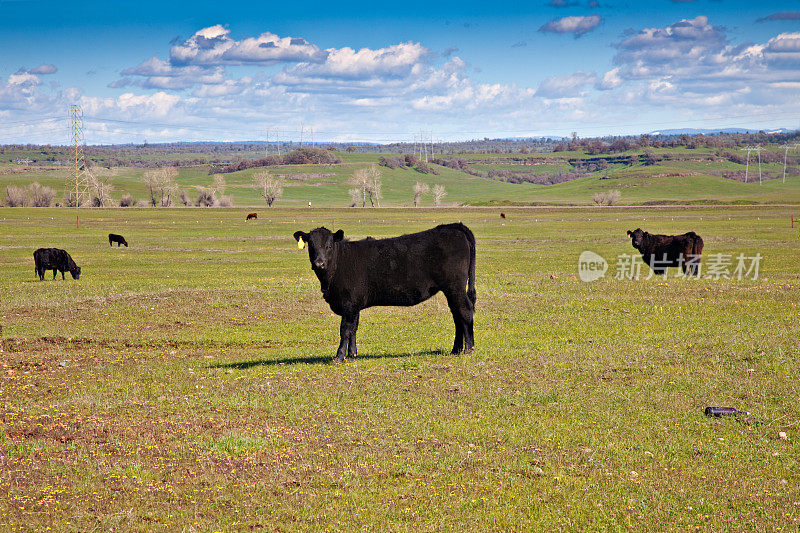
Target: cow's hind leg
[
  {"x": 346, "y": 331},
  {"x": 462, "y": 309}
]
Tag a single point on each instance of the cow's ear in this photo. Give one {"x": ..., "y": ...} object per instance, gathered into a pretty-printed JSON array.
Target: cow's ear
[
  {"x": 298, "y": 234},
  {"x": 338, "y": 236},
  {"x": 629, "y": 233}
]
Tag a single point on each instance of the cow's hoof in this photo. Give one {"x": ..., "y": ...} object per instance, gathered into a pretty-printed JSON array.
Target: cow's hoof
[{"x": 338, "y": 360}]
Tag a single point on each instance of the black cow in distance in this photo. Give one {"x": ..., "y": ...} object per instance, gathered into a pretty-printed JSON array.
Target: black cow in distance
[
  {"x": 56, "y": 260},
  {"x": 663, "y": 251},
  {"x": 119, "y": 239}
]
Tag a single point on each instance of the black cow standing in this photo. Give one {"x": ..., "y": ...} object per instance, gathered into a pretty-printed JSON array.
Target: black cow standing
[
  {"x": 662, "y": 251},
  {"x": 56, "y": 260},
  {"x": 405, "y": 270},
  {"x": 119, "y": 239}
]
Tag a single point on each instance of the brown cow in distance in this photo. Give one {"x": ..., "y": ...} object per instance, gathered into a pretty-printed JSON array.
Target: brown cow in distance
[
  {"x": 662, "y": 251},
  {"x": 251, "y": 216}
]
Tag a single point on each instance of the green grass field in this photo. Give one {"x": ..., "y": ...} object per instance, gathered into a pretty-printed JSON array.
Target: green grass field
[
  {"x": 185, "y": 383},
  {"x": 691, "y": 180}
]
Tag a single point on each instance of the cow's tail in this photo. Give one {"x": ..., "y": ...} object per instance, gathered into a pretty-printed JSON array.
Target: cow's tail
[
  {"x": 697, "y": 246},
  {"x": 697, "y": 251},
  {"x": 471, "y": 279}
]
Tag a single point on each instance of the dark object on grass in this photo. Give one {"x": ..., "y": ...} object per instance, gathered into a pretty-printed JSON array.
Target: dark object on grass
[
  {"x": 502, "y": 215},
  {"x": 662, "y": 251},
  {"x": 405, "y": 270},
  {"x": 724, "y": 411},
  {"x": 56, "y": 260},
  {"x": 741, "y": 416},
  {"x": 119, "y": 239},
  {"x": 251, "y": 216}
]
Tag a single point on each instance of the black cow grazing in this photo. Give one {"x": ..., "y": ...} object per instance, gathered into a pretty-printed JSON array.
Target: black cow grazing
[
  {"x": 662, "y": 251},
  {"x": 251, "y": 216},
  {"x": 405, "y": 270},
  {"x": 119, "y": 239},
  {"x": 56, "y": 260},
  {"x": 502, "y": 215}
]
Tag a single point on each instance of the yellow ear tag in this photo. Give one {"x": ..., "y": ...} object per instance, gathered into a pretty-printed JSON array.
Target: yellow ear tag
[{"x": 300, "y": 243}]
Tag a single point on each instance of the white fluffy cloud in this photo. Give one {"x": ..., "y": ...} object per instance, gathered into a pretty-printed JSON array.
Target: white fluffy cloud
[
  {"x": 689, "y": 44},
  {"x": 44, "y": 69},
  {"x": 695, "y": 56},
  {"x": 577, "y": 26},
  {"x": 155, "y": 73},
  {"x": 359, "y": 70},
  {"x": 568, "y": 86},
  {"x": 213, "y": 46}
]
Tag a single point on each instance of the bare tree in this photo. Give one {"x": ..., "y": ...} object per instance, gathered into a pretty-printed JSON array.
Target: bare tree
[
  {"x": 360, "y": 180},
  {"x": 374, "y": 184},
  {"x": 608, "y": 198},
  {"x": 206, "y": 197},
  {"x": 186, "y": 200},
  {"x": 100, "y": 186},
  {"x": 355, "y": 197},
  {"x": 161, "y": 185},
  {"x": 168, "y": 187},
  {"x": 127, "y": 200},
  {"x": 150, "y": 180},
  {"x": 269, "y": 187},
  {"x": 419, "y": 190},
  {"x": 438, "y": 193},
  {"x": 40, "y": 196},
  {"x": 219, "y": 185},
  {"x": 15, "y": 196}
]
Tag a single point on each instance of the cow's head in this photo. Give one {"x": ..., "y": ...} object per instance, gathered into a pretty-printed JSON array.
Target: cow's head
[
  {"x": 76, "y": 272},
  {"x": 321, "y": 243},
  {"x": 637, "y": 236}
]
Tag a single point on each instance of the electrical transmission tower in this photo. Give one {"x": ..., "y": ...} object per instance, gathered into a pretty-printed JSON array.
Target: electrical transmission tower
[
  {"x": 786, "y": 153},
  {"x": 425, "y": 145},
  {"x": 757, "y": 149},
  {"x": 78, "y": 184}
]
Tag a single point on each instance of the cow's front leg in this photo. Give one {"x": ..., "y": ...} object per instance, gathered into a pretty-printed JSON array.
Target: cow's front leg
[
  {"x": 351, "y": 349},
  {"x": 346, "y": 330}
]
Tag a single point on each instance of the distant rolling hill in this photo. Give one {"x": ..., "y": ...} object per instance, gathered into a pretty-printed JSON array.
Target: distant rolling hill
[{"x": 694, "y": 131}]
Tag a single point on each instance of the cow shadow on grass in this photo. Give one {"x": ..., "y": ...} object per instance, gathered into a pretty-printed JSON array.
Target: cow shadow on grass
[{"x": 319, "y": 360}]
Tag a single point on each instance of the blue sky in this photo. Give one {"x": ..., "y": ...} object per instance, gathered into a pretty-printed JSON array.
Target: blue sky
[{"x": 171, "y": 71}]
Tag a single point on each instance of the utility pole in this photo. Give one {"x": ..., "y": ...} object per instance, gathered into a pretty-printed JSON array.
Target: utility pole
[
  {"x": 786, "y": 146},
  {"x": 757, "y": 149}
]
